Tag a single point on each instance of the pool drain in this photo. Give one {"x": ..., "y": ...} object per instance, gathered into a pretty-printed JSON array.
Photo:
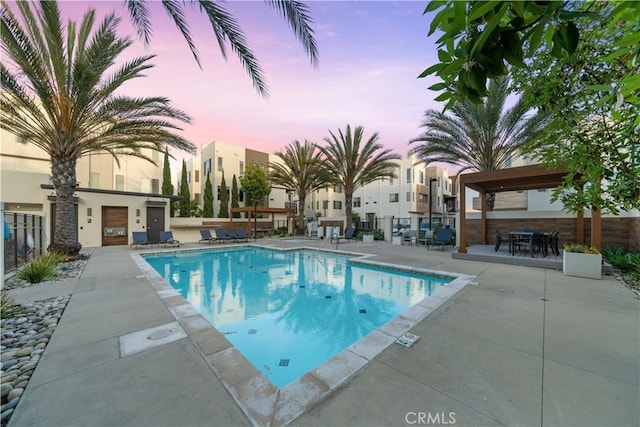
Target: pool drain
[{"x": 158, "y": 335}]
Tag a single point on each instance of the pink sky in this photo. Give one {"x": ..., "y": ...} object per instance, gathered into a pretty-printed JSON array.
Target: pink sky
[{"x": 370, "y": 56}]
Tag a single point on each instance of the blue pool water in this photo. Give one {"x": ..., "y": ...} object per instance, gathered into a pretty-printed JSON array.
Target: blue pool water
[{"x": 289, "y": 311}]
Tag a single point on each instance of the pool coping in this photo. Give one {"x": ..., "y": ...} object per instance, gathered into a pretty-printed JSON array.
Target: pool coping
[{"x": 261, "y": 401}]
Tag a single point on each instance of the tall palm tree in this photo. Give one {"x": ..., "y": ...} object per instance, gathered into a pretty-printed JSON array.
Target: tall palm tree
[
  {"x": 479, "y": 137},
  {"x": 353, "y": 165},
  {"x": 56, "y": 94},
  {"x": 300, "y": 172},
  {"x": 226, "y": 29}
]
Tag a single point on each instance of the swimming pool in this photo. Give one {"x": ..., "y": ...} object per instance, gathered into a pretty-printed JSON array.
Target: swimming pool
[{"x": 290, "y": 311}]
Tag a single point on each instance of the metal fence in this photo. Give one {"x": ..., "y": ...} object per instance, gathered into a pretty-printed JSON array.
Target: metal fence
[{"x": 25, "y": 240}]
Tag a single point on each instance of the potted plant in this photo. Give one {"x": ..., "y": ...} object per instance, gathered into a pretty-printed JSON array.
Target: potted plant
[
  {"x": 367, "y": 237},
  {"x": 582, "y": 261}
]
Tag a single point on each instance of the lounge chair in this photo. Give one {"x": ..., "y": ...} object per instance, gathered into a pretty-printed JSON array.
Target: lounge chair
[
  {"x": 349, "y": 234},
  {"x": 223, "y": 235},
  {"x": 241, "y": 234},
  {"x": 443, "y": 238},
  {"x": 166, "y": 238},
  {"x": 231, "y": 234},
  {"x": 206, "y": 236},
  {"x": 139, "y": 238}
]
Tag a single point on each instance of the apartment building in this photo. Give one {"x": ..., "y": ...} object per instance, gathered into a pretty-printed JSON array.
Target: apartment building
[
  {"x": 113, "y": 197},
  {"x": 220, "y": 159}
]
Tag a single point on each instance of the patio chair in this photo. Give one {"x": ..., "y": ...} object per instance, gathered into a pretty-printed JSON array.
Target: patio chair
[
  {"x": 139, "y": 238},
  {"x": 533, "y": 243},
  {"x": 349, "y": 234},
  {"x": 206, "y": 236},
  {"x": 443, "y": 238},
  {"x": 553, "y": 242},
  {"x": 410, "y": 237},
  {"x": 166, "y": 238},
  {"x": 498, "y": 240}
]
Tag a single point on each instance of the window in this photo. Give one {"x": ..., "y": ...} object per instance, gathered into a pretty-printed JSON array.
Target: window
[
  {"x": 390, "y": 180},
  {"x": 119, "y": 182},
  {"x": 241, "y": 195},
  {"x": 421, "y": 177},
  {"x": 439, "y": 181},
  {"x": 197, "y": 197},
  {"x": 207, "y": 166},
  {"x": 337, "y": 189},
  {"x": 155, "y": 186},
  {"x": 409, "y": 196},
  {"x": 219, "y": 162},
  {"x": 356, "y": 202},
  {"x": 145, "y": 185},
  {"x": 317, "y": 205},
  {"x": 241, "y": 167},
  {"x": 189, "y": 177},
  {"x": 422, "y": 198},
  {"x": 197, "y": 176},
  {"x": 393, "y": 198},
  {"x": 325, "y": 204},
  {"x": 409, "y": 176},
  {"x": 155, "y": 156},
  {"x": 94, "y": 180},
  {"x": 337, "y": 204}
]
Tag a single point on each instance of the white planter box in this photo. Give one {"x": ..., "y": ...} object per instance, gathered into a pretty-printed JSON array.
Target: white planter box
[
  {"x": 582, "y": 265},
  {"x": 396, "y": 240},
  {"x": 367, "y": 238}
]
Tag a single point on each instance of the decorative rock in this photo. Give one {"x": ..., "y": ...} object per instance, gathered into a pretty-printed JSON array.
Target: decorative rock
[
  {"x": 9, "y": 364},
  {"x": 5, "y": 389},
  {"x": 5, "y": 415},
  {"x": 12, "y": 404},
  {"x": 16, "y": 392},
  {"x": 21, "y": 385},
  {"x": 25, "y": 351},
  {"x": 8, "y": 377}
]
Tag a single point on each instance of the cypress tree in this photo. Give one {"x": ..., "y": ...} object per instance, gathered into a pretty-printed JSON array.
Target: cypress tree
[
  {"x": 167, "y": 186},
  {"x": 224, "y": 199},
  {"x": 207, "y": 199},
  {"x": 235, "y": 196},
  {"x": 185, "y": 203}
]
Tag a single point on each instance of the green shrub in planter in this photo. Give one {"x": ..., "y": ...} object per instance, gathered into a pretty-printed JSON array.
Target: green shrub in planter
[
  {"x": 8, "y": 307},
  {"x": 38, "y": 270}
]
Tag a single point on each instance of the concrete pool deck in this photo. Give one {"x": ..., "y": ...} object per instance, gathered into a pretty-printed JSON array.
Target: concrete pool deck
[{"x": 525, "y": 346}]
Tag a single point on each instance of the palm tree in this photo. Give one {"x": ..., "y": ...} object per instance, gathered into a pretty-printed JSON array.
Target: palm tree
[
  {"x": 226, "y": 29},
  {"x": 56, "y": 95},
  {"x": 479, "y": 137},
  {"x": 300, "y": 172},
  {"x": 352, "y": 166}
]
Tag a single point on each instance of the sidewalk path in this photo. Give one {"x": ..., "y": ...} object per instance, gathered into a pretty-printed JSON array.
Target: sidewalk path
[{"x": 526, "y": 346}]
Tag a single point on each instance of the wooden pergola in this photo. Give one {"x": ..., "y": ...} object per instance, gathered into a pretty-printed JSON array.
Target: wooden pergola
[{"x": 531, "y": 177}]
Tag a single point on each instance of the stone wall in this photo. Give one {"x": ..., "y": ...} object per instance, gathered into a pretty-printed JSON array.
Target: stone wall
[{"x": 616, "y": 232}]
